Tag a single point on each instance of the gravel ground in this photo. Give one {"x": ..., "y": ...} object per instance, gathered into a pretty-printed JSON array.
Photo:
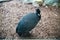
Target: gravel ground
[{"x": 48, "y": 26}]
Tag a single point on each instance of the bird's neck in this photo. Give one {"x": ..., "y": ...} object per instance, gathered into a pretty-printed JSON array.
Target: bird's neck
[{"x": 38, "y": 15}]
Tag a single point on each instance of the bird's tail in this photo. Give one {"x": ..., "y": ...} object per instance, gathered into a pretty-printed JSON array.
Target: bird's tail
[{"x": 17, "y": 31}]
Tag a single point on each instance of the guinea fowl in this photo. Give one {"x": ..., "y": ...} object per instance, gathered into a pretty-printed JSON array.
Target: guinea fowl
[{"x": 28, "y": 22}]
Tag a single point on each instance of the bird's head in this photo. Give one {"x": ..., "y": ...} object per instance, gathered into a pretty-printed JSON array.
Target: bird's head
[{"x": 38, "y": 11}]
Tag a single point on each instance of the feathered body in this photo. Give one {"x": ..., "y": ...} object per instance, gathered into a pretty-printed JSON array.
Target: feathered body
[{"x": 28, "y": 22}]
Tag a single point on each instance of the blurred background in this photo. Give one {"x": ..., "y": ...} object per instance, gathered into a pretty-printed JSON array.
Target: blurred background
[{"x": 12, "y": 10}]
